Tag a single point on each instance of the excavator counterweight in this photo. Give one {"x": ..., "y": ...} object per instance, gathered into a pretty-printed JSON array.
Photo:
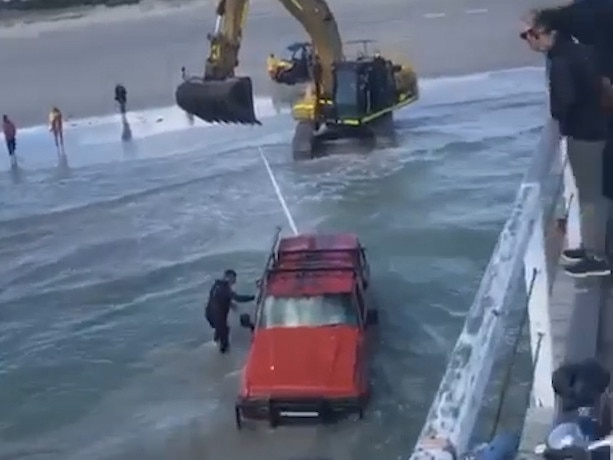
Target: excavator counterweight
[{"x": 218, "y": 101}]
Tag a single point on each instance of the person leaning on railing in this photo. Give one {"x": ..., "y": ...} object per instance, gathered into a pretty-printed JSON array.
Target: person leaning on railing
[{"x": 578, "y": 95}]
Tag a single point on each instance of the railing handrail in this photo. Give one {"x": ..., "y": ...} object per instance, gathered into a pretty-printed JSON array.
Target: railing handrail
[{"x": 452, "y": 417}]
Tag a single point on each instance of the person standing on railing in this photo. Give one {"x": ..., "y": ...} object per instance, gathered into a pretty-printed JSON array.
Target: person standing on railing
[{"x": 576, "y": 92}]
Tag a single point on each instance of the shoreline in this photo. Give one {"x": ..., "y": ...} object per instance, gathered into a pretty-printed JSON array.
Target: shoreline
[
  {"x": 73, "y": 58},
  {"x": 158, "y": 113}
]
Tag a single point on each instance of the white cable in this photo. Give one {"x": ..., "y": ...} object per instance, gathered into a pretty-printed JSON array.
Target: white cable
[{"x": 286, "y": 211}]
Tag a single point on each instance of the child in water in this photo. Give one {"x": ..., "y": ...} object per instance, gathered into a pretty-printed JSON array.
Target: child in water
[{"x": 56, "y": 122}]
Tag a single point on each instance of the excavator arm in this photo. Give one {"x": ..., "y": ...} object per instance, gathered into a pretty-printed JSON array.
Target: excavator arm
[
  {"x": 319, "y": 24},
  {"x": 226, "y": 39},
  {"x": 220, "y": 96}
]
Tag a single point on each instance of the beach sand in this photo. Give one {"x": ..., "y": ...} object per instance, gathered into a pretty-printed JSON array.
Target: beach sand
[{"x": 74, "y": 59}]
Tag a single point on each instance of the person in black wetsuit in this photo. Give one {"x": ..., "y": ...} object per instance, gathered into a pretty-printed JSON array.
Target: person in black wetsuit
[{"x": 220, "y": 301}]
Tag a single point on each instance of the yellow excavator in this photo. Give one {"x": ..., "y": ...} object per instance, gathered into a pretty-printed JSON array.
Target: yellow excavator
[{"x": 346, "y": 98}]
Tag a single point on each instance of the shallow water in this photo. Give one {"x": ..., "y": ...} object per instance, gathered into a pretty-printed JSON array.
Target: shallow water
[{"x": 105, "y": 261}]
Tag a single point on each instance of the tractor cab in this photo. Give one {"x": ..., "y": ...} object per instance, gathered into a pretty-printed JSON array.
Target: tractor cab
[
  {"x": 301, "y": 53},
  {"x": 293, "y": 69}
]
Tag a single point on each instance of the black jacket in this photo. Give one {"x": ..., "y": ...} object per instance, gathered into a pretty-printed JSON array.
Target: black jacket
[
  {"x": 575, "y": 91},
  {"x": 121, "y": 94},
  {"x": 220, "y": 301}
]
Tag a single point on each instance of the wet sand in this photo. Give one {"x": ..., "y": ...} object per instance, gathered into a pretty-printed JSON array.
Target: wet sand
[{"x": 75, "y": 63}]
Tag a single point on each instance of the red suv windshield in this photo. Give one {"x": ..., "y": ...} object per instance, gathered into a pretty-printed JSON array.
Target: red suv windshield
[{"x": 308, "y": 311}]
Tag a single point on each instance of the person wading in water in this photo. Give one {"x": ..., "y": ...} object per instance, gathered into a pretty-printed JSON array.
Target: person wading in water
[
  {"x": 56, "y": 126},
  {"x": 185, "y": 77},
  {"x": 220, "y": 302},
  {"x": 121, "y": 97},
  {"x": 10, "y": 136}
]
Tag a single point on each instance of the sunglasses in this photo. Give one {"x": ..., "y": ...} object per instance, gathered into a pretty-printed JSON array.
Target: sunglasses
[{"x": 530, "y": 33}]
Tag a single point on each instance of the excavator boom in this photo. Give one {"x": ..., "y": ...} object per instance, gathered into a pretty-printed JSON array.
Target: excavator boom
[
  {"x": 220, "y": 96},
  {"x": 319, "y": 23}
]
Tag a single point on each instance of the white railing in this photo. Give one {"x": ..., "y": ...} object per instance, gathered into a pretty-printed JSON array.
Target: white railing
[{"x": 520, "y": 250}]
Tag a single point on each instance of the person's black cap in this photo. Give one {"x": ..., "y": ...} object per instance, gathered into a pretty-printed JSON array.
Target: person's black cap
[{"x": 229, "y": 272}]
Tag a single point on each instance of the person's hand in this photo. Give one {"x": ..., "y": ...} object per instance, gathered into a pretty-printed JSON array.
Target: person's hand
[{"x": 258, "y": 283}]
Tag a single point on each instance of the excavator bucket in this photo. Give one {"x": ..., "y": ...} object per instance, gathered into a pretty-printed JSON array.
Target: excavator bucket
[{"x": 218, "y": 101}]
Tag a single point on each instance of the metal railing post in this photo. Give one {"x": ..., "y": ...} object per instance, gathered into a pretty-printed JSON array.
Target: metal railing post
[{"x": 571, "y": 200}]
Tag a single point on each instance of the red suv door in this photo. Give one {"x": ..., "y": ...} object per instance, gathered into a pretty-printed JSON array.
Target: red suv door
[{"x": 362, "y": 351}]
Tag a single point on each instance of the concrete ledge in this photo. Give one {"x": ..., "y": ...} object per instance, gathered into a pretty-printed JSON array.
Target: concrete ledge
[{"x": 536, "y": 426}]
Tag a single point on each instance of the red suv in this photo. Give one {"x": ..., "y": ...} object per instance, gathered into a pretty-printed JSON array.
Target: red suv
[{"x": 308, "y": 356}]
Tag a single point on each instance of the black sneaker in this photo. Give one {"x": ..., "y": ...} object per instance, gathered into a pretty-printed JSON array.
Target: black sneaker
[
  {"x": 589, "y": 267},
  {"x": 574, "y": 255}
]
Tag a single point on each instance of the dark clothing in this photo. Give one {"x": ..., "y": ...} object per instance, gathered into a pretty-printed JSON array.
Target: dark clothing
[
  {"x": 121, "y": 95},
  {"x": 11, "y": 145},
  {"x": 221, "y": 328},
  {"x": 580, "y": 384},
  {"x": 607, "y": 166},
  {"x": 9, "y": 130},
  {"x": 575, "y": 86},
  {"x": 590, "y": 22},
  {"x": 586, "y": 159},
  {"x": 217, "y": 308}
]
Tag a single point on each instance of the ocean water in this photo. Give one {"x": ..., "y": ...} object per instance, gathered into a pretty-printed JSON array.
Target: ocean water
[
  {"x": 105, "y": 261},
  {"x": 37, "y": 5}
]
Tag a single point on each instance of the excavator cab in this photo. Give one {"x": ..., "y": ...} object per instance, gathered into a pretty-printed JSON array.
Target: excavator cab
[
  {"x": 218, "y": 101},
  {"x": 362, "y": 88}
]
